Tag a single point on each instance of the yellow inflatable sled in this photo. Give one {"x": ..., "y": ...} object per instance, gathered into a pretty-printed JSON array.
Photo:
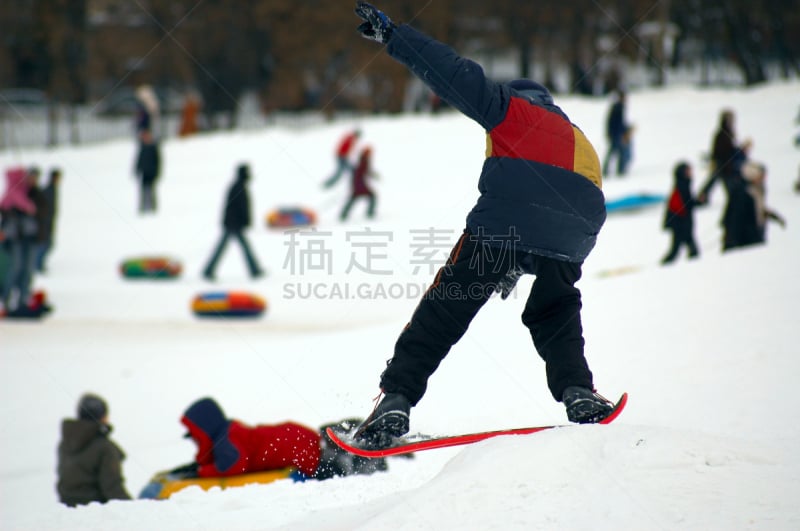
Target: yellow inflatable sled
[{"x": 165, "y": 484}]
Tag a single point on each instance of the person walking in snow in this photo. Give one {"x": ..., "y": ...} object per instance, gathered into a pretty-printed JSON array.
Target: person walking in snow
[
  {"x": 619, "y": 133},
  {"x": 148, "y": 167},
  {"x": 540, "y": 211},
  {"x": 359, "y": 186},
  {"x": 235, "y": 219},
  {"x": 343, "y": 150},
  {"x": 89, "y": 463},
  {"x": 679, "y": 216},
  {"x": 727, "y": 157}
]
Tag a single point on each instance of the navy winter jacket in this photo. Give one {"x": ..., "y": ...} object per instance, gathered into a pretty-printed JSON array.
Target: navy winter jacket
[
  {"x": 540, "y": 183},
  {"x": 237, "y": 206}
]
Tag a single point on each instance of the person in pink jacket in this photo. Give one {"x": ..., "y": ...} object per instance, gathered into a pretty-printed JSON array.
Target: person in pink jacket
[{"x": 18, "y": 230}]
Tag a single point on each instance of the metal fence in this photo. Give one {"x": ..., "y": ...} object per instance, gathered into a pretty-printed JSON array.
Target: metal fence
[{"x": 43, "y": 125}]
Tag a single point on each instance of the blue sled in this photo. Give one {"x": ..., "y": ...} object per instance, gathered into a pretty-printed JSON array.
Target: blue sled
[{"x": 634, "y": 202}]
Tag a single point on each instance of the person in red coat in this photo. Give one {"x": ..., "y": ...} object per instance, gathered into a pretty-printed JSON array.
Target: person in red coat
[
  {"x": 360, "y": 188},
  {"x": 679, "y": 215},
  {"x": 343, "y": 149},
  {"x": 228, "y": 447}
]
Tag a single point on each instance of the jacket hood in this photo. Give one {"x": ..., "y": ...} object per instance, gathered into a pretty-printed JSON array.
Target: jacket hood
[
  {"x": 78, "y": 434},
  {"x": 209, "y": 428},
  {"x": 533, "y": 90},
  {"x": 207, "y": 416},
  {"x": 16, "y": 194}
]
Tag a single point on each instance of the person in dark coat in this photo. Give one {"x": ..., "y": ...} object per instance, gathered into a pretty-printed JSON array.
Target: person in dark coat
[
  {"x": 359, "y": 185},
  {"x": 148, "y": 166},
  {"x": 43, "y": 215},
  {"x": 679, "y": 216},
  {"x": 235, "y": 220},
  {"x": 89, "y": 462},
  {"x": 227, "y": 447},
  {"x": 539, "y": 212},
  {"x": 727, "y": 158},
  {"x": 618, "y": 132},
  {"x": 48, "y": 221},
  {"x": 745, "y": 220}
]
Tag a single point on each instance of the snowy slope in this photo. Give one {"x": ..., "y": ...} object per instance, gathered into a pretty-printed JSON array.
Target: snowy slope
[{"x": 705, "y": 349}]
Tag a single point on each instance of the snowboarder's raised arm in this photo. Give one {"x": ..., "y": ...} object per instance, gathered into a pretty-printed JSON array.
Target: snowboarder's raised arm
[{"x": 457, "y": 80}]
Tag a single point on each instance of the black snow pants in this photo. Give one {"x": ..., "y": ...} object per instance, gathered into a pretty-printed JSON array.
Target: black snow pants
[{"x": 462, "y": 286}]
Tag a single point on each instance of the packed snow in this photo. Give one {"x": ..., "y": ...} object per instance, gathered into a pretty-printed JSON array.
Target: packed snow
[{"x": 705, "y": 348}]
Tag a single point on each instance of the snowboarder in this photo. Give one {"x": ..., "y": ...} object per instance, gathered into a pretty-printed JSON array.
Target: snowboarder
[
  {"x": 539, "y": 212},
  {"x": 360, "y": 188},
  {"x": 235, "y": 219},
  {"x": 679, "y": 216},
  {"x": 89, "y": 463}
]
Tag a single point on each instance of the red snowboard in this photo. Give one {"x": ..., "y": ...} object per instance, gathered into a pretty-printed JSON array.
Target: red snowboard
[{"x": 429, "y": 443}]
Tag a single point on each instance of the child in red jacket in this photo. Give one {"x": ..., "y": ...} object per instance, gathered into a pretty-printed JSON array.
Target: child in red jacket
[
  {"x": 679, "y": 215},
  {"x": 229, "y": 447},
  {"x": 359, "y": 185}
]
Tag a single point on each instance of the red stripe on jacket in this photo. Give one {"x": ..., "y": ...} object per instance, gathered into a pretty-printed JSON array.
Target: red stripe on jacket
[{"x": 550, "y": 141}]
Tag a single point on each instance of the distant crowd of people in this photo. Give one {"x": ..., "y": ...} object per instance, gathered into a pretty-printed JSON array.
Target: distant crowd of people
[
  {"x": 28, "y": 212},
  {"x": 360, "y": 173},
  {"x": 746, "y": 213},
  {"x": 237, "y": 217}
]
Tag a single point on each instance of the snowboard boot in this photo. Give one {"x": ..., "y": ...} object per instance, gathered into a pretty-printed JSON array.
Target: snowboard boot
[
  {"x": 388, "y": 420},
  {"x": 584, "y": 406}
]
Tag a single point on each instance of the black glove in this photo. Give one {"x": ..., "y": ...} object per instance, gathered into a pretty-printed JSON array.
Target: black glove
[
  {"x": 508, "y": 282},
  {"x": 188, "y": 470},
  {"x": 377, "y": 26}
]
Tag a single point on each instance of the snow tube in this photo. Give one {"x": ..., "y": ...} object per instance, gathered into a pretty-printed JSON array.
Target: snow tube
[
  {"x": 291, "y": 217},
  {"x": 634, "y": 202},
  {"x": 228, "y": 304},
  {"x": 165, "y": 484},
  {"x": 150, "y": 267}
]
